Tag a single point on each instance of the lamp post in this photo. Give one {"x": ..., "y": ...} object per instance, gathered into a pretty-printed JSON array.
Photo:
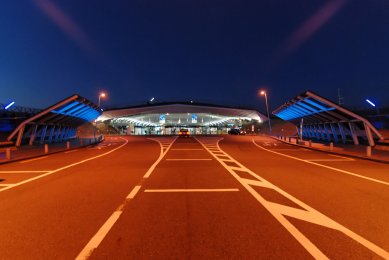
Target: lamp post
[
  {"x": 263, "y": 93},
  {"x": 102, "y": 95}
]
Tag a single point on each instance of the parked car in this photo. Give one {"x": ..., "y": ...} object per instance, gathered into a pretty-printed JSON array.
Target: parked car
[
  {"x": 183, "y": 132},
  {"x": 236, "y": 131}
]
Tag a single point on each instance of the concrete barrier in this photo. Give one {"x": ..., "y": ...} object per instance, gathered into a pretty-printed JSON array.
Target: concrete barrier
[
  {"x": 368, "y": 151},
  {"x": 8, "y": 154},
  {"x": 46, "y": 148},
  {"x": 331, "y": 146}
]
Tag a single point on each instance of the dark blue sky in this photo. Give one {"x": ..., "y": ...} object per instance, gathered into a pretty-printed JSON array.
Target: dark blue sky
[{"x": 217, "y": 51}]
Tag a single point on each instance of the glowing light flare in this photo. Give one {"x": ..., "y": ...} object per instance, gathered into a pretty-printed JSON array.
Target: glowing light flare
[
  {"x": 371, "y": 103},
  {"x": 9, "y": 105},
  {"x": 102, "y": 94},
  {"x": 66, "y": 24}
]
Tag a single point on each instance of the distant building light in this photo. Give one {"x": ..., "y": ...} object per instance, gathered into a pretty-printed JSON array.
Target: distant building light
[
  {"x": 9, "y": 105},
  {"x": 371, "y": 103},
  {"x": 152, "y": 99}
]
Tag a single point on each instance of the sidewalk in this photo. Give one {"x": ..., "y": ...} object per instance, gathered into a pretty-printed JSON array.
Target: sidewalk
[
  {"x": 33, "y": 151},
  {"x": 357, "y": 151}
]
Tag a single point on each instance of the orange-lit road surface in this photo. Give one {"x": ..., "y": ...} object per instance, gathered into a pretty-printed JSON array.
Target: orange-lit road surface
[{"x": 244, "y": 197}]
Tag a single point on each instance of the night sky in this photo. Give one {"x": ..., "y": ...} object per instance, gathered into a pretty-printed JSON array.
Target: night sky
[{"x": 214, "y": 51}]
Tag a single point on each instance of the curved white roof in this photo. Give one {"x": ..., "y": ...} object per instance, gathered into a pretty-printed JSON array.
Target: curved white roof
[{"x": 181, "y": 109}]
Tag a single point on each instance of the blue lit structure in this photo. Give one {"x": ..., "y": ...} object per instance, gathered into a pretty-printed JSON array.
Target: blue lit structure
[
  {"x": 56, "y": 123},
  {"x": 324, "y": 120}
]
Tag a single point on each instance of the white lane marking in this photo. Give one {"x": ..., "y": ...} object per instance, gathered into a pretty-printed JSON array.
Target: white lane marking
[
  {"x": 190, "y": 190},
  {"x": 106, "y": 227},
  {"x": 189, "y": 159},
  {"x": 292, "y": 150},
  {"x": 99, "y": 236},
  {"x": 133, "y": 192},
  {"x": 72, "y": 151},
  {"x": 328, "y": 160},
  {"x": 346, "y": 158},
  {"x": 322, "y": 165},
  {"x": 161, "y": 155},
  {"x": 64, "y": 167},
  {"x": 183, "y": 149},
  {"x": 280, "y": 212},
  {"x": 22, "y": 171},
  {"x": 5, "y": 185},
  {"x": 35, "y": 159}
]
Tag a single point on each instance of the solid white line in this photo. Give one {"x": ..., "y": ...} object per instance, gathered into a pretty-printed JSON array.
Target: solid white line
[
  {"x": 310, "y": 214},
  {"x": 190, "y": 190},
  {"x": 39, "y": 158},
  {"x": 22, "y": 171},
  {"x": 133, "y": 192},
  {"x": 5, "y": 185},
  {"x": 322, "y": 165},
  {"x": 292, "y": 149},
  {"x": 327, "y": 160},
  {"x": 347, "y": 158},
  {"x": 182, "y": 149},
  {"x": 107, "y": 226},
  {"x": 161, "y": 155},
  {"x": 64, "y": 167},
  {"x": 72, "y": 151},
  {"x": 188, "y": 159},
  {"x": 99, "y": 236}
]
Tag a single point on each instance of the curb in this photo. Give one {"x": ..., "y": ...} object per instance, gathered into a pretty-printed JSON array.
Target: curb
[
  {"x": 331, "y": 152},
  {"x": 46, "y": 154}
]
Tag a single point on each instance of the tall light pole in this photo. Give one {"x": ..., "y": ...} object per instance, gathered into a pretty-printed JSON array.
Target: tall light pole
[
  {"x": 102, "y": 95},
  {"x": 263, "y": 93}
]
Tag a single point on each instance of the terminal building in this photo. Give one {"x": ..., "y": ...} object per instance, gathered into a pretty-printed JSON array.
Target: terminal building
[{"x": 169, "y": 117}]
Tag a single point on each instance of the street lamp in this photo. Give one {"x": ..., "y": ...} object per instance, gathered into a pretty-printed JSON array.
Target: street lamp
[
  {"x": 102, "y": 95},
  {"x": 263, "y": 93}
]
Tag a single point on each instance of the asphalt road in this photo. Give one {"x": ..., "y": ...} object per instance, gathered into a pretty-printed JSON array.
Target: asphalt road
[{"x": 228, "y": 197}]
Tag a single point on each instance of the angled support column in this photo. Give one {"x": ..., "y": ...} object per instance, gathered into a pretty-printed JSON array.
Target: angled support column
[
  {"x": 321, "y": 132},
  {"x": 327, "y": 132},
  {"x": 353, "y": 133},
  {"x": 342, "y": 134},
  {"x": 33, "y": 133},
  {"x": 334, "y": 133},
  {"x": 20, "y": 136},
  {"x": 51, "y": 135},
  {"x": 57, "y": 134},
  {"x": 63, "y": 133},
  {"x": 369, "y": 135},
  {"x": 43, "y": 134}
]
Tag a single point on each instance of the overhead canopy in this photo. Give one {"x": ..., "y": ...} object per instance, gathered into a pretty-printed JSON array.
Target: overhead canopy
[
  {"x": 323, "y": 119},
  {"x": 175, "y": 112},
  {"x": 68, "y": 113}
]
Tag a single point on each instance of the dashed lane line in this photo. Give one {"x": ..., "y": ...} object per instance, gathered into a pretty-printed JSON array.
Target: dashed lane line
[
  {"x": 64, "y": 167},
  {"x": 322, "y": 165},
  {"x": 110, "y": 222},
  {"x": 106, "y": 227},
  {"x": 281, "y": 212}
]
